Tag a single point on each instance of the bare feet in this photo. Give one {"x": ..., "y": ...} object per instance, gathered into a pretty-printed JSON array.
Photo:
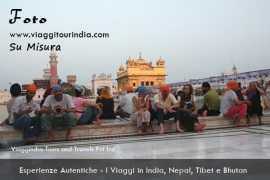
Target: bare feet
[
  {"x": 34, "y": 139},
  {"x": 69, "y": 138},
  {"x": 100, "y": 121},
  {"x": 204, "y": 113},
  {"x": 240, "y": 124},
  {"x": 261, "y": 122},
  {"x": 146, "y": 128},
  {"x": 203, "y": 126},
  {"x": 30, "y": 142},
  {"x": 161, "y": 131},
  {"x": 51, "y": 138},
  {"x": 248, "y": 120},
  {"x": 97, "y": 122},
  {"x": 140, "y": 130},
  {"x": 179, "y": 130},
  {"x": 4, "y": 122}
]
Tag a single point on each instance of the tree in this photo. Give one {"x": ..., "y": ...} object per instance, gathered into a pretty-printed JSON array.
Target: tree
[
  {"x": 87, "y": 92},
  {"x": 99, "y": 91},
  {"x": 71, "y": 91}
]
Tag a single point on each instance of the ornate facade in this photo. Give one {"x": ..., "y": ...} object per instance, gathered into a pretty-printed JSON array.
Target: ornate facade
[
  {"x": 103, "y": 81},
  {"x": 50, "y": 77},
  {"x": 140, "y": 72}
]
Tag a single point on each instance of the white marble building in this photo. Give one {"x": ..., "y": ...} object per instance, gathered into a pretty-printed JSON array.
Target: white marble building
[{"x": 102, "y": 81}]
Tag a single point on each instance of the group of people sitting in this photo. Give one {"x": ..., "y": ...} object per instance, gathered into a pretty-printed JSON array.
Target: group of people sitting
[
  {"x": 55, "y": 110},
  {"x": 61, "y": 110},
  {"x": 183, "y": 107}
]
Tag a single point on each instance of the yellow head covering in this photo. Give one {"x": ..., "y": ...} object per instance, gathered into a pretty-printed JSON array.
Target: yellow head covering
[{"x": 105, "y": 93}]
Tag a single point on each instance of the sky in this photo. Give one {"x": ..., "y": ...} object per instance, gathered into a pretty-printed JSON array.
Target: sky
[{"x": 197, "y": 39}]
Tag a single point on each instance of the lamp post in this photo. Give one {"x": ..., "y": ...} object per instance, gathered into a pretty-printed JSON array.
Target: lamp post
[{"x": 120, "y": 93}]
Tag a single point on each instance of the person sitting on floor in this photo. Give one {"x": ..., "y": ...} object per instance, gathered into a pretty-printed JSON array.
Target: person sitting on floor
[
  {"x": 15, "y": 91},
  {"x": 58, "y": 110},
  {"x": 46, "y": 94},
  {"x": 166, "y": 107},
  {"x": 253, "y": 93},
  {"x": 140, "y": 112},
  {"x": 230, "y": 104},
  {"x": 93, "y": 109},
  {"x": 125, "y": 106},
  {"x": 239, "y": 93},
  {"x": 107, "y": 104},
  {"x": 211, "y": 101},
  {"x": 21, "y": 115},
  {"x": 189, "y": 110},
  {"x": 266, "y": 97}
]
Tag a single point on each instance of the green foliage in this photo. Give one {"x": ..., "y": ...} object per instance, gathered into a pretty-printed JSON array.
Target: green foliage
[
  {"x": 71, "y": 91},
  {"x": 87, "y": 92},
  {"x": 99, "y": 91}
]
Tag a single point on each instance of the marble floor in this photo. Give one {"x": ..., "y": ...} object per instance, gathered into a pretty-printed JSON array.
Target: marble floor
[{"x": 228, "y": 143}]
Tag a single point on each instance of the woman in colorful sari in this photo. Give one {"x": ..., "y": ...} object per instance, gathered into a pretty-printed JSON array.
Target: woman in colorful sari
[{"x": 140, "y": 112}]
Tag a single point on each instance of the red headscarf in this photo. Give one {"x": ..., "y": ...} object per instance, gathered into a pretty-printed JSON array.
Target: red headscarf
[
  {"x": 165, "y": 89},
  {"x": 129, "y": 89}
]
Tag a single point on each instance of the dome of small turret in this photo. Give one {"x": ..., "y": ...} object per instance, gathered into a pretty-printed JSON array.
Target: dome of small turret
[
  {"x": 53, "y": 53},
  {"x": 121, "y": 68}
]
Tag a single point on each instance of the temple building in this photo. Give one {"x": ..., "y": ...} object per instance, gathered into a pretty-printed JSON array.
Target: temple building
[
  {"x": 234, "y": 71},
  {"x": 50, "y": 77},
  {"x": 140, "y": 72},
  {"x": 103, "y": 81}
]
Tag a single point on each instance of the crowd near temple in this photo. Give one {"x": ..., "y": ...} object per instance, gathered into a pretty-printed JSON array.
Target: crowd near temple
[{"x": 143, "y": 97}]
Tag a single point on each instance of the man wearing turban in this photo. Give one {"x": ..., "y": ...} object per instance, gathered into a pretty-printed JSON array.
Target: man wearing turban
[
  {"x": 21, "y": 115},
  {"x": 125, "y": 106},
  {"x": 230, "y": 104},
  {"x": 58, "y": 111},
  {"x": 166, "y": 107}
]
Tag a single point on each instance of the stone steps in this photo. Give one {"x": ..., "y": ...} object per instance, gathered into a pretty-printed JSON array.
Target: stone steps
[{"x": 122, "y": 127}]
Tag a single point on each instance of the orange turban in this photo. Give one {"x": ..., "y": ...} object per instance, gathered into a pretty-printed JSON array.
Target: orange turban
[
  {"x": 32, "y": 87},
  {"x": 231, "y": 85},
  {"x": 129, "y": 89},
  {"x": 165, "y": 89}
]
